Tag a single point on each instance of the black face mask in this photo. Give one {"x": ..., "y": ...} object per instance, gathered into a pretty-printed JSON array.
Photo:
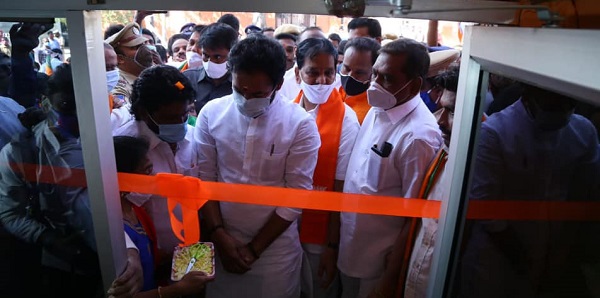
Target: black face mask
[{"x": 352, "y": 86}]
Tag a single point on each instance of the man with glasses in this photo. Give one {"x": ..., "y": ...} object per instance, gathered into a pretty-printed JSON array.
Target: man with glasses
[
  {"x": 255, "y": 136},
  {"x": 213, "y": 80}
]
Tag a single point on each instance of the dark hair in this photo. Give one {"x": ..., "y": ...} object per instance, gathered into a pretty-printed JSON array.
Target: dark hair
[
  {"x": 157, "y": 86},
  {"x": 129, "y": 153},
  {"x": 335, "y": 36},
  {"x": 311, "y": 47},
  {"x": 365, "y": 44},
  {"x": 268, "y": 29},
  {"x": 448, "y": 79},
  {"x": 218, "y": 35},
  {"x": 173, "y": 39},
  {"x": 285, "y": 36},
  {"x": 230, "y": 20},
  {"x": 162, "y": 52},
  {"x": 60, "y": 89},
  {"x": 258, "y": 53},
  {"x": 112, "y": 30},
  {"x": 372, "y": 25},
  {"x": 200, "y": 28},
  {"x": 417, "y": 57},
  {"x": 342, "y": 46},
  {"x": 148, "y": 32}
]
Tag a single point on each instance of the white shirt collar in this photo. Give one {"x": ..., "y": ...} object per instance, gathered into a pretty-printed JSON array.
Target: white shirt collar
[{"x": 397, "y": 113}]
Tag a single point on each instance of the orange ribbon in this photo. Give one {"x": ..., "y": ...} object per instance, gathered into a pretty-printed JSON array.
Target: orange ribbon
[{"x": 191, "y": 193}]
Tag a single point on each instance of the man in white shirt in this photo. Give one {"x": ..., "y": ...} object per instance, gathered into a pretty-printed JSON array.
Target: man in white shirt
[
  {"x": 338, "y": 127},
  {"x": 160, "y": 100},
  {"x": 254, "y": 136},
  {"x": 397, "y": 141}
]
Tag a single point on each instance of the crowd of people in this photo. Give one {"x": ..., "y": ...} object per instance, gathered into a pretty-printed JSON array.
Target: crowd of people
[{"x": 288, "y": 107}]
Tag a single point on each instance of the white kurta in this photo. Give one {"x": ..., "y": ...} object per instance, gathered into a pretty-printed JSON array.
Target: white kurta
[
  {"x": 414, "y": 134},
  {"x": 163, "y": 160},
  {"x": 278, "y": 148}
]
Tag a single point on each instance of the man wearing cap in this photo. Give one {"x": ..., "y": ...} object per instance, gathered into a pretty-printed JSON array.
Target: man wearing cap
[
  {"x": 250, "y": 29},
  {"x": 127, "y": 44},
  {"x": 440, "y": 62},
  {"x": 132, "y": 58}
]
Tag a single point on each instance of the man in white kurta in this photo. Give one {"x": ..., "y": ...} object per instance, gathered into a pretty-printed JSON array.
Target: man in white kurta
[
  {"x": 396, "y": 143},
  {"x": 275, "y": 147}
]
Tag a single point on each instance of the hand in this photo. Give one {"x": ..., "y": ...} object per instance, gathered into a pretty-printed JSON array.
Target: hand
[
  {"x": 229, "y": 253},
  {"x": 192, "y": 283},
  {"x": 156, "y": 58},
  {"x": 132, "y": 279},
  {"x": 327, "y": 267},
  {"x": 140, "y": 15},
  {"x": 24, "y": 37},
  {"x": 117, "y": 102},
  {"x": 247, "y": 254}
]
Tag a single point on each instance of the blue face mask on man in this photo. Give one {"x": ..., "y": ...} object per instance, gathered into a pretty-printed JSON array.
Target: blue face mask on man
[{"x": 171, "y": 133}]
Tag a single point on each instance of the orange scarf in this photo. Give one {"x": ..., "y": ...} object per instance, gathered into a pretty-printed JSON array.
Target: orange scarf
[
  {"x": 313, "y": 227},
  {"x": 358, "y": 103}
]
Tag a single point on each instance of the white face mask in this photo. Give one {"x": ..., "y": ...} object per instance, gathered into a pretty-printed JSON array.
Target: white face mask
[
  {"x": 214, "y": 70},
  {"x": 253, "y": 107},
  {"x": 194, "y": 60},
  {"x": 112, "y": 78},
  {"x": 138, "y": 199},
  {"x": 316, "y": 94},
  {"x": 378, "y": 97}
]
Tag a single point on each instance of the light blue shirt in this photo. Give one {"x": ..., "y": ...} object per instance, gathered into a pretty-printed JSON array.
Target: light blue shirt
[{"x": 11, "y": 126}]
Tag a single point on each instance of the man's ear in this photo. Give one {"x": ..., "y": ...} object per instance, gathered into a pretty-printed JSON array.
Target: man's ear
[
  {"x": 415, "y": 86},
  {"x": 297, "y": 71},
  {"x": 120, "y": 59}
]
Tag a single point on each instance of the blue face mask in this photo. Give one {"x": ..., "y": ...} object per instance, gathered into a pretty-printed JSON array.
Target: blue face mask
[
  {"x": 431, "y": 105},
  {"x": 112, "y": 78},
  {"x": 171, "y": 133}
]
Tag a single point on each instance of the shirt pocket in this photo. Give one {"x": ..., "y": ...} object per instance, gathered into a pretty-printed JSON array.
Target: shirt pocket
[
  {"x": 272, "y": 166},
  {"x": 376, "y": 170}
]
